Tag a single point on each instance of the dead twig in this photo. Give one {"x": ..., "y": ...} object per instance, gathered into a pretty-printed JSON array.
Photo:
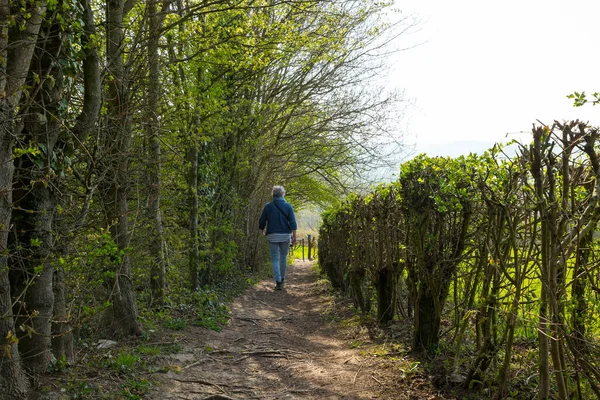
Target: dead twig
[
  {"x": 265, "y": 353},
  {"x": 260, "y": 351},
  {"x": 283, "y": 318},
  {"x": 221, "y": 351},
  {"x": 249, "y": 319},
  {"x": 261, "y": 302},
  {"x": 197, "y": 362},
  {"x": 202, "y": 382},
  {"x": 268, "y": 332},
  {"x": 355, "y": 375},
  {"x": 377, "y": 380},
  {"x": 293, "y": 351}
]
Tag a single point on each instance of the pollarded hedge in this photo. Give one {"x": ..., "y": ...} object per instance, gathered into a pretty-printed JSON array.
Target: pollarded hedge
[{"x": 495, "y": 248}]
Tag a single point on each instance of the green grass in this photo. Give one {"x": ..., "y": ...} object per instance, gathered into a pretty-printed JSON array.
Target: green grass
[
  {"x": 148, "y": 350},
  {"x": 177, "y": 324},
  {"x": 296, "y": 252},
  {"x": 124, "y": 362}
]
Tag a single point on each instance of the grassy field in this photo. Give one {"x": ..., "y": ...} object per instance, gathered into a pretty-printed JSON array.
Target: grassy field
[{"x": 300, "y": 250}]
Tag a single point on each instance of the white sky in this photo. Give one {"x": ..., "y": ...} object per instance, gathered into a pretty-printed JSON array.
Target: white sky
[{"x": 486, "y": 69}]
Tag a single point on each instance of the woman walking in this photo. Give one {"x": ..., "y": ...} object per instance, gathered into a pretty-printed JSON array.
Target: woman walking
[{"x": 278, "y": 223}]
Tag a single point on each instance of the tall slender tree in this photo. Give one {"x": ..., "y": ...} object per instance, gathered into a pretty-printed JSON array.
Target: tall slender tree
[
  {"x": 35, "y": 173},
  {"x": 121, "y": 316},
  {"x": 19, "y": 31},
  {"x": 156, "y": 17}
]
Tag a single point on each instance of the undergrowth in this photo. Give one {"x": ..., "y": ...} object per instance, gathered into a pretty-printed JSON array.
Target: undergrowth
[
  {"x": 124, "y": 370},
  {"x": 390, "y": 347}
]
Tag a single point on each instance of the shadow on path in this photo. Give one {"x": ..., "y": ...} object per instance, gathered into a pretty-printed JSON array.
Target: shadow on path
[{"x": 276, "y": 346}]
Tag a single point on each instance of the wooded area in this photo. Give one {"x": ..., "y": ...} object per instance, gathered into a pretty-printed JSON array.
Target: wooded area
[
  {"x": 139, "y": 141},
  {"x": 492, "y": 258}
]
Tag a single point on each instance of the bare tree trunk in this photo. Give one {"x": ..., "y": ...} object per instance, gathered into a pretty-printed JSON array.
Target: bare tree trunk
[
  {"x": 520, "y": 262},
  {"x": 193, "y": 252},
  {"x": 580, "y": 279},
  {"x": 427, "y": 321},
  {"x": 121, "y": 316},
  {"x": 16, "y": 51},
  {"x": 510, "y": 336},
  {"x": 92, "y": 83},
  {"x": 386, "y": 294},
  {"x": 433, "y": 277},
  {"x": 486, "y": 344},
  {"x": 554, "y": 278},
  {"x": 33, "y": 220},
  {"x": 357, "y": 282},
  {"x": 463, "y": 321},
  {"x": 543, "y": 332},
  {"x": 32, "y": 274},
  {"x": 62, "y": 337},
  {"x": 158, "y": 268},
  {"x": 13, "y": 381}
]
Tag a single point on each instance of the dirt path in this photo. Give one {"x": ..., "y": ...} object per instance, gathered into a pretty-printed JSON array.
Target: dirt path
[
  {"x": 286, "y": 345},
  {"x": 278, "y": 345}
]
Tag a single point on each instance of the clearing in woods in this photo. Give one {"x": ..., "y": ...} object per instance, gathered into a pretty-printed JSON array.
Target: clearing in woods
[{"x": 299, "y": 343}]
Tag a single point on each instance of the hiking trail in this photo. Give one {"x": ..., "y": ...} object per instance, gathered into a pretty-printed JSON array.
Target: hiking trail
[{"x": 286, "y": 345}]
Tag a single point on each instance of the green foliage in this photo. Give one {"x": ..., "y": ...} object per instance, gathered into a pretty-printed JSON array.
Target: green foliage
[
  {"x": 148, "y": 350},
  {"x": 88, "y": 274},
  {"x": 477, "y": 244},
  {"x": 212, "y": 313},
  {"x": 21, "y": 151},
  {"x": 81, "y": 390},
  {"x": 135, "y": 389},
  {"x": 124, "y": 362},
  {"x": 266, "y": 93},
  {"x": 176, "y": 324},
  {"x": 58, "y": 365},
  {"x": 437, "y": 184},
  {"x": 580, "y": 99}
]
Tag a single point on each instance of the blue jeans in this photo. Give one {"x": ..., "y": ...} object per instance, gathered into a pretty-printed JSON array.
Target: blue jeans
[{"x": 279, "y": 251}]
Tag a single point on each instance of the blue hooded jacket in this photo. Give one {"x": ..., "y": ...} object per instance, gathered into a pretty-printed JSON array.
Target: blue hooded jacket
[{"x": 275, "y": 220}]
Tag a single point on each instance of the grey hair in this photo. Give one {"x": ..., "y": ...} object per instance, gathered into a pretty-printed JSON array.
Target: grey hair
[{"x": 278, "y": 191}]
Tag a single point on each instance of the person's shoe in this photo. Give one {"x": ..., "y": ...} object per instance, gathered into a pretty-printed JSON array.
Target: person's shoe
[
  {"x": 278, "y": 286},
  {"x": 282, "y": 283}
]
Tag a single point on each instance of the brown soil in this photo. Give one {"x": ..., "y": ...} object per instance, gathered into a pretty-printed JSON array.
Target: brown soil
[{"x": 298, "y": 343}]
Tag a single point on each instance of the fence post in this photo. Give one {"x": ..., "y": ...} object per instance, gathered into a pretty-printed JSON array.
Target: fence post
[{"x": 309, "y": 249}]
